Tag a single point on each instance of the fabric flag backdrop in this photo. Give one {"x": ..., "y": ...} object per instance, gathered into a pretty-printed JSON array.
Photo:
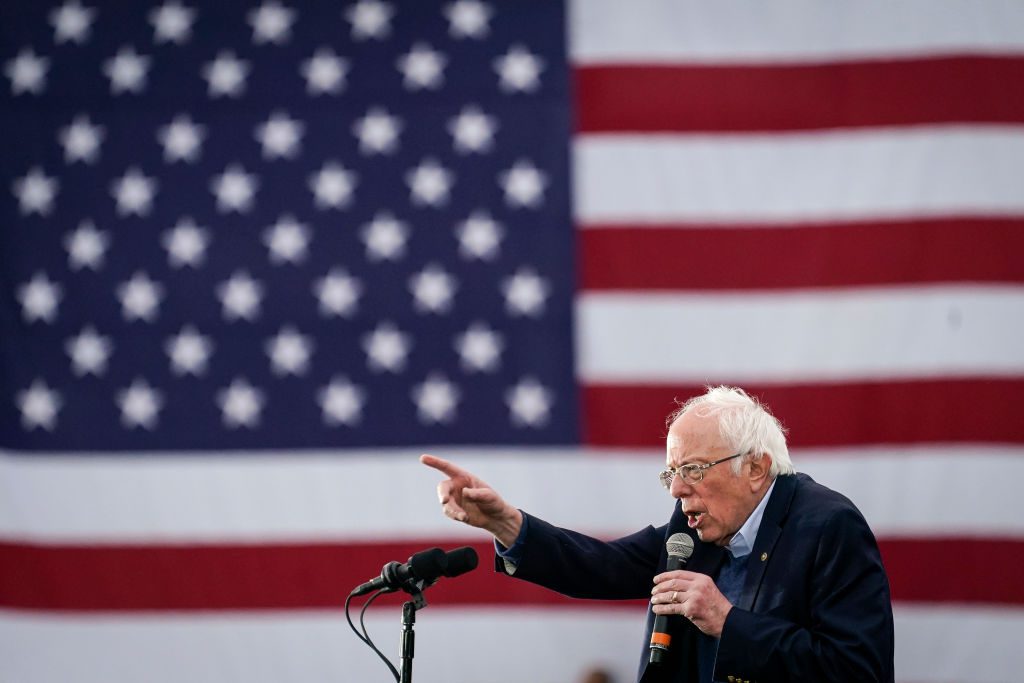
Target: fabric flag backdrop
[{"x": 257, "y": 256}]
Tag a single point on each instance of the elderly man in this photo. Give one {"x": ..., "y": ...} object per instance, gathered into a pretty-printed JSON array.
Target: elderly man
[{"x": 785, "y": 582}]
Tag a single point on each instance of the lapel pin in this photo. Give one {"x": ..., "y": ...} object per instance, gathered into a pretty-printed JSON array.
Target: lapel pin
[{"x": 764, "y": 556}]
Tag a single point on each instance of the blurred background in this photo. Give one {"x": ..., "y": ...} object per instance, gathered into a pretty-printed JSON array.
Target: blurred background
[{"x": 255, "y": 257}]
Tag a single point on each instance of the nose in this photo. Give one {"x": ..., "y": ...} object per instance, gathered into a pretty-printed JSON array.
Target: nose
[{"x": 679, "y": 488}]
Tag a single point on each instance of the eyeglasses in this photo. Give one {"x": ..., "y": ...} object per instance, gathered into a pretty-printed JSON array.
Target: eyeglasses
[{"x": 691, "y": 474}]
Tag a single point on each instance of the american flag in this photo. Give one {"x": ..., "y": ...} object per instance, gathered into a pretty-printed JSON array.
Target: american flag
[{"x": 256, "y": 256}]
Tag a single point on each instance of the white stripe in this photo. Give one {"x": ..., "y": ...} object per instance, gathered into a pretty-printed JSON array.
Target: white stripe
[
  {"x": 948, "y": 644},
  {"x": 500, "y": 645},
  {"x": 362, "y": 497},
  {"x": 873, "y": 173},
  {"x": 653, "y": 31},
  {"x": 801, "y": 336}
]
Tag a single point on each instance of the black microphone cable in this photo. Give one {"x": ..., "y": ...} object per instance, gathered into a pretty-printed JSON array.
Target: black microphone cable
[{"x": 365, "y": 636}]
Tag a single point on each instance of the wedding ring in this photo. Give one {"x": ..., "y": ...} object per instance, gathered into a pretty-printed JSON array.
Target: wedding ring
[{"x": 674, "y": 594}]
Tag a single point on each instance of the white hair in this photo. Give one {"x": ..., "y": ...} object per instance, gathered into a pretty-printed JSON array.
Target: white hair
[{"x": 745, "y": 424}]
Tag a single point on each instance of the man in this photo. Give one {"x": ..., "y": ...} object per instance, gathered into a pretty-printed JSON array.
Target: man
[{"x": 785, "y": 582}]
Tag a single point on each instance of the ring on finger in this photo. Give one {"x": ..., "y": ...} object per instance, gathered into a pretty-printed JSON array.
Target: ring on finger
[{"x": 674, "y": 594}]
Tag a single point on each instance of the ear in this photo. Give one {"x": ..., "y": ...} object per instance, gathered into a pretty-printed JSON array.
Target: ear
[{"x": 759, "y": 472}]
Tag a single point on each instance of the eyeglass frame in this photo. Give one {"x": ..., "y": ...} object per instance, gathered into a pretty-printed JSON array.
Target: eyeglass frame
[{"x": 668, "y": 475}]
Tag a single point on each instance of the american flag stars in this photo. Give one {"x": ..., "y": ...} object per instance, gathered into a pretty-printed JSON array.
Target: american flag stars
[
  {"x": 364, "y": 236},
  {"x": 172, "y": 23},
  {"x": 72, "y": 23},
  {"x": 81, "y": 140}
]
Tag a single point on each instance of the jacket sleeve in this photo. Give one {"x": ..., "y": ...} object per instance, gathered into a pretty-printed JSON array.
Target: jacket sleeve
[
  {"x": 849, "y": 636},
  {"x": 580, "y": 566}
]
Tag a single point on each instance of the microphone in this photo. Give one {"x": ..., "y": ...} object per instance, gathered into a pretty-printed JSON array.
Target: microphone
[
  {"x": 460, "y": 561},
  {"x": 426, "y": 566},
  {"x": 679, "y": 547}
]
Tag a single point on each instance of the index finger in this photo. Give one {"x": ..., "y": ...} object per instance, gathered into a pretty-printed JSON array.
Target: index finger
[
  {"x": 678, "y": 574},
  {"x": 443, "y": 466}
]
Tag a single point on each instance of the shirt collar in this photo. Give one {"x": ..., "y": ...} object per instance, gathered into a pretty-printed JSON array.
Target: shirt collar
[{"x": 743, "y": 540}]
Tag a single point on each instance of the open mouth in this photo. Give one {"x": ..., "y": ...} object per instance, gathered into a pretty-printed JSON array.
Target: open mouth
[{"x": 693, "y": 519}]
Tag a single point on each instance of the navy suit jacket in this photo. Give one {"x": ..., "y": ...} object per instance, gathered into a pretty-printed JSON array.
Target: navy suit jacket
[{"x": 815, "y": 605}]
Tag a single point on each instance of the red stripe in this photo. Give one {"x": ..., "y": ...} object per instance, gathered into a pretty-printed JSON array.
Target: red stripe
[
  {"x": 654, "y": 97},
  {"x": 984, "y": 570},
  {"x": 233, "y": 577},
  {"x": 784, "y": 257},
  {"x": 222, "y": 577},
  {"x": 895, "y": 412}
]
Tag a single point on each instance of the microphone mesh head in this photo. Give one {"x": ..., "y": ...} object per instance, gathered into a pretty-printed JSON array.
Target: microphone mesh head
[{"x": 679, "y": 545}]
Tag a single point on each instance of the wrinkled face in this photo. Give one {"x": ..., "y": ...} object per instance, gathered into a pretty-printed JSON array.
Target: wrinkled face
[{"x": 719, "y": 505}]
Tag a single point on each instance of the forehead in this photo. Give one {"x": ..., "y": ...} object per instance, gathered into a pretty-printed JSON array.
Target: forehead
[{"x": 692, "y": 436}]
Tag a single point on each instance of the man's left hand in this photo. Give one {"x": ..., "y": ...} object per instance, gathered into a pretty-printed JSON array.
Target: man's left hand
[{"x": 694, "y": 596}]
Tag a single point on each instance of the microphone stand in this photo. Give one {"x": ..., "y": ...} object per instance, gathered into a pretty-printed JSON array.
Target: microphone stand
[{"x": 408, "y": 635}]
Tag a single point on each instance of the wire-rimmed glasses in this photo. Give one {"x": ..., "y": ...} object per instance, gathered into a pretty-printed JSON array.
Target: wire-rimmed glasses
[{"x": 691, "y": 474}]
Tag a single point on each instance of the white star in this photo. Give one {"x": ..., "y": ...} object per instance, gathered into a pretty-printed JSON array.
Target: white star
[
  {"x": 338, "y": 293},
  {"x": 86, "y": 246},
  {"x": 341, "y": 402},
  {"x": 226, "y": 75},
  {"x": 377, "y": 132},
  {"x": 172, "y": 23},
  {"x": 289, "y": 352},
  {"x": 126, "y": 71},
  {"x": 71, "y": 22},
  {"x": 429, "y": 183},
  {"x": 386, "y": 348},
  {"x": 287, "y": 240},
  {"x": 332, "y": 186},
  {"x": 27, "y": 72},
  {"x": 280, "y": 136},
  {"x": 140, "y": 297},
  {"x": 89, "y": 352},
  {"x": 182, "y": 139},
  {"x": 479, "y": 236},
  {"x": 524, "y": 185},
  {"x": 39, "y": 406},
  {"x": 36, "y": 192},
  {"x": 525, "y": 293},
  {"x": 435, "y": 399},
  {"x": 189, "y": 352},
  {"x": 39, "y": 298},
  {"x": 472, "y": 130},
  {"x": 81, "y": 140},
  {"x": 468, "y": 19},
  {"x": 480, "y": 348},
  {"x": 325, "y": 72},
  {"x": 519, "y": 70},
  {"x": 240, "y": 297},
  {"x": 422, "y": 68},
  {"x": 271, "y": 23},
  {"x": 235, "y": 189},
  {"x": 432, "y": 289},
  {"x": 370, "y": 19},
  {"x": 140, "y": 404},
  {"x": 385, "y": 238},
  {"x": 186, "y": 244},
  {"x": 134, "y": 193},
  {"x": 529, "y": 403},
  {"x": 240, "y": 404}
]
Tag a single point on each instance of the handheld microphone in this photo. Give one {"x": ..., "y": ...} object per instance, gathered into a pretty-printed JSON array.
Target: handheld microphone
[
  {"x": 426, "y": 566},
  {"x": 679, "y": 547}
]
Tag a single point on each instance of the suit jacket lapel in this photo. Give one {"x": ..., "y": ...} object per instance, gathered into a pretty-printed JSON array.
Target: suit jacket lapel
[{"x": 767, "y": 535}]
